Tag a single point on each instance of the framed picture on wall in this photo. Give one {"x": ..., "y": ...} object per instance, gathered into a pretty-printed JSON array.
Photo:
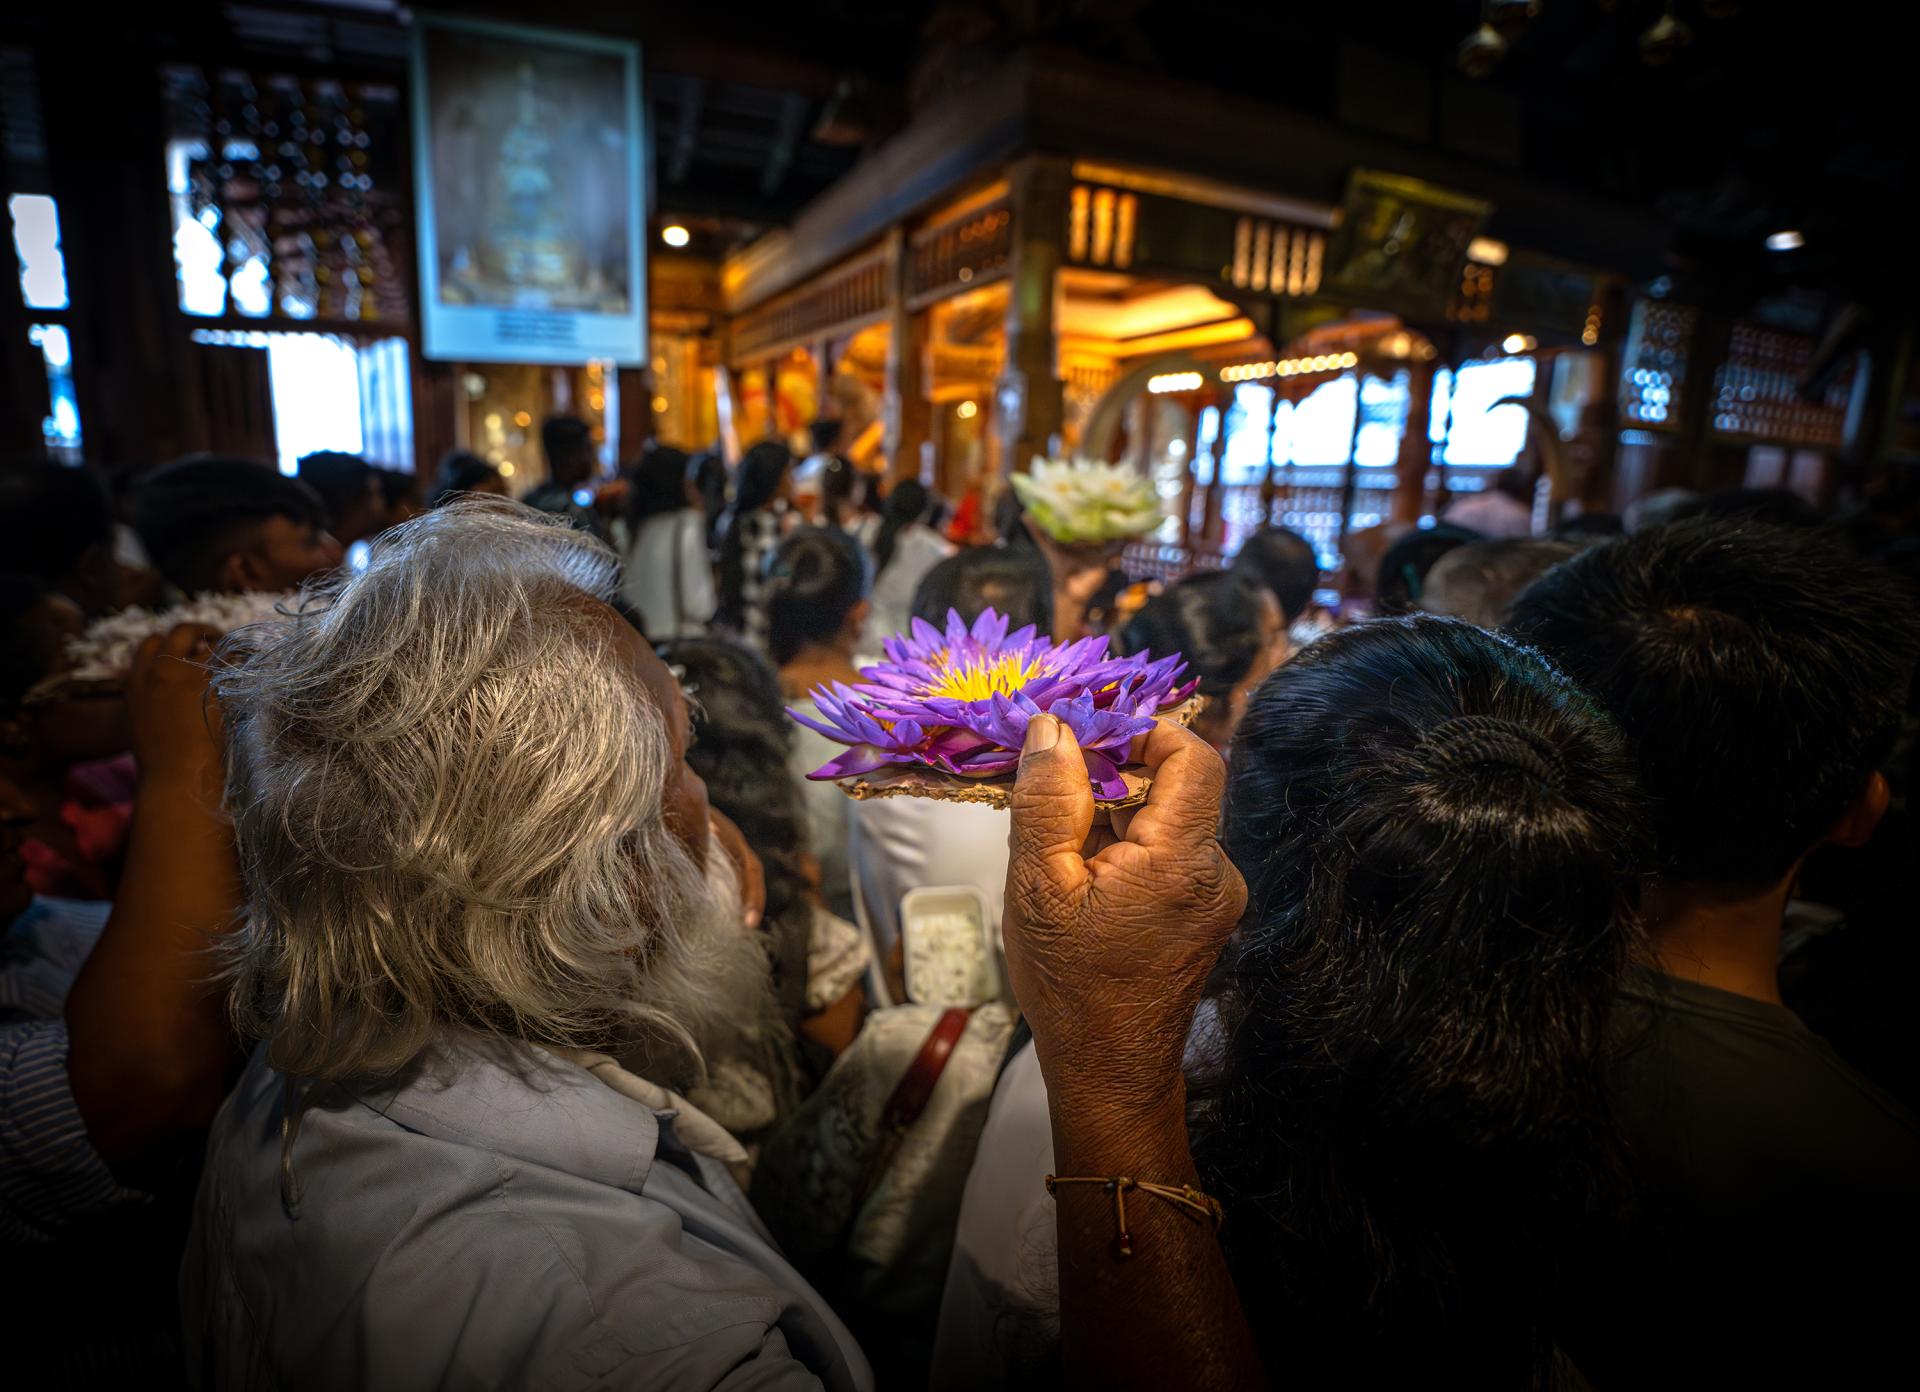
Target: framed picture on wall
[{"x": 530, "y": 190}]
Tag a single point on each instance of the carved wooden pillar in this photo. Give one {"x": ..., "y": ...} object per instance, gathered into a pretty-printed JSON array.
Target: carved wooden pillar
[
  {"x": 908, "y": 412},
  {"x": 1416, "y": 450},
  {"x": 1030, "y": 399}
]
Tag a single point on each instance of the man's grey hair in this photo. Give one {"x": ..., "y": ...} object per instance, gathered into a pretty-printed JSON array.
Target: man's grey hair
[
  {"x": 1479, "y": 582},
  {"x": 447, "y": 787}
]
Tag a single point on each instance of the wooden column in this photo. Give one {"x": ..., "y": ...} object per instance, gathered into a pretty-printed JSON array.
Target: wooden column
[
  {"x": 1350, "y": 478},
  {"x": 439, "y": 413},
  {"x": 634, "y": 424},
  {"x": 1030, "y": 399},
  {"x": 1698, "y": 463},
  {"x": 1143, "y": 433},
  {"x": 1213, "y": 530},
  {"x": 1186, "y": 481},
  {"x": 1595, "y": 449},
  {"x": 137, "y": 405},
  {"x": 1269, "y": 485},
  {"x": 908, "y": 414},
  {"x": 1416, "y": 450}
]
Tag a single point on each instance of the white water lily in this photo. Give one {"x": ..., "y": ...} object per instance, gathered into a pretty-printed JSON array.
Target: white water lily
[{"x": 1077, "y": 501}]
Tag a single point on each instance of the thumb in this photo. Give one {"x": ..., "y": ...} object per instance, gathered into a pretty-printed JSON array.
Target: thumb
[{"x": 1052, "y": 811}]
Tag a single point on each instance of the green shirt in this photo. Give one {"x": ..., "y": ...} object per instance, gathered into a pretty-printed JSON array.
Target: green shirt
[{"x": 1778, "y": 1203}]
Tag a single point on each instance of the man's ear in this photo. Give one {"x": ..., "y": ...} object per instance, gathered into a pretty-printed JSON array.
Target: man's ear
[
  {"x": 857, "y": 617},
  {"x": 240, "y": 572},
  {"x": 1857, "y": 823}
]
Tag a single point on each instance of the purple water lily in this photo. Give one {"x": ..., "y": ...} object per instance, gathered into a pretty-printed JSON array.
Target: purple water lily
[{"x": 960, "y": 701}]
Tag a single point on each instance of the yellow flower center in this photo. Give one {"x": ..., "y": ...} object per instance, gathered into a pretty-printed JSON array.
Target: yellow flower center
[{"x": 1001, "y": 677}]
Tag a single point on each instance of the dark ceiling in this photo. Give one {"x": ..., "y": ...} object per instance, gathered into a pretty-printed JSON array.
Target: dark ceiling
[{"x": 1772, "y": 116}]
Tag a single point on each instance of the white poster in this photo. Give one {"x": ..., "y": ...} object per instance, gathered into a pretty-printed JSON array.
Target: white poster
[{"x": 528, "y": 177}]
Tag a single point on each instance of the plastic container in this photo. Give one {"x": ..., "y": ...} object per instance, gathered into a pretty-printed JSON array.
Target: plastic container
[{"x": 948, "y": 947}]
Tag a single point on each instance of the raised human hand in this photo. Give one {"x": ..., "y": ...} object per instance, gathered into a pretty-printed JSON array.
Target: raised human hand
[{"x": 1112, "y": 930}]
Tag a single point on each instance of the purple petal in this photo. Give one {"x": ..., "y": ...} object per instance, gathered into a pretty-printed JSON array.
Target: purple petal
[
  {"x": 988, "y": 760},
  {"x": 1106, "y": 779},
  {"x": 832, "y": 732},
  {"x": 862, "y": 758},
  {"x": 989, "y": 628}
]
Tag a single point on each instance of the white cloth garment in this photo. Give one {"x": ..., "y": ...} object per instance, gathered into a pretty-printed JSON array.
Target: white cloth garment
[
  {"x": 1000, "y": 1310},
  {"x": 669, "y": 577},
  {"x": 899, "y": 843},
  {"x": 917, "y": 549},
  {"x": 837, "y": 958},
  {"x": 498, "y": 1218},
  {"x": 826, "y": 808}
]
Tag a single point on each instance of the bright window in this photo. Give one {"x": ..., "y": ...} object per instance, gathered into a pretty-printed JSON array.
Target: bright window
[
  {"x": 1483, "y": 433},
  {"x": 1323, "y": 424},
  {"x": 333, "y": 393},
  {"x": 61, "y": 426},
  {"x": 36, "y": 241}
]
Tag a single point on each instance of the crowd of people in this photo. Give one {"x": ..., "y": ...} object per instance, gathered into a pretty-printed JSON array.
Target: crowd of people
[{"x": 455, "y": 980}]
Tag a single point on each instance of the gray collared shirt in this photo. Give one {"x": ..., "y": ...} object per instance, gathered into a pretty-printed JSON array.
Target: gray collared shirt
[{"x": 512, "y": 1223}]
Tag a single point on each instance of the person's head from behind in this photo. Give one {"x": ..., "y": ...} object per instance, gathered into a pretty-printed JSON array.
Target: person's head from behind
[
  {"x": 1658, "y": 508},
  {"x": 37, "y": 621},
  {"x": 567, "y": 442},
  {"x": 1285, "y": 562},
  {"x": 825, "y": 433},
  {"x": 1229, "y": 629},
  {"x": 512, "y": 884},
  {"x": 907, "y": 503},
  {"x": 1439, "y": 836},
  {"x": 1478, "y": 582},
  {"x": 1761, "y": 672},
  {"x": 461, "y": 472},
  {"x": 349, "y": 489},
  {"x": 660, "y": 485},
  {"x": 764, "y": 478},
  {"x": 846, "y": 493},
  {"x": 1405, "y": 564},
  {"x": 1012, "y": 581},
  {"x": 708, "y": 474},
  {"x": 230, "y": 526},
  {"x": 401, "y": 491},
  {"x": 1777, "y": 507},
  {"x": 816, "y": 594},
  {"x": 1589, "y": 526},
  {"x": 57, "y": 526}
]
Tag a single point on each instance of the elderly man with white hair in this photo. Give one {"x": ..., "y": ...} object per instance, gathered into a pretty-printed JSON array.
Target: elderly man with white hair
[{"x": 478, "y": 874}]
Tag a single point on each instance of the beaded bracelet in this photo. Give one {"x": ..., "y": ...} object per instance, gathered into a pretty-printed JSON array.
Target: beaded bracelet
[{"x": 1182, "y": 1196}]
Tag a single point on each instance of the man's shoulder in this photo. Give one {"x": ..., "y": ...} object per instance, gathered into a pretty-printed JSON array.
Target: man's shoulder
[
  {"x": 439, "y": 1249},
  {"x": 1709, "y": 1082}
]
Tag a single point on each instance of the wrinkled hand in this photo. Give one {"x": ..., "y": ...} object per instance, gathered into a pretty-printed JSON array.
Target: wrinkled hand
[
  {"x": 753, "y": 875},
  {"x": 174, "y": 719},
  {"x": 1111, "y": 932}
]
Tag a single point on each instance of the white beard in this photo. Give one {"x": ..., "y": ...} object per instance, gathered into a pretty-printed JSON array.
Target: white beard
[{"x": 711, "y": 975}]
